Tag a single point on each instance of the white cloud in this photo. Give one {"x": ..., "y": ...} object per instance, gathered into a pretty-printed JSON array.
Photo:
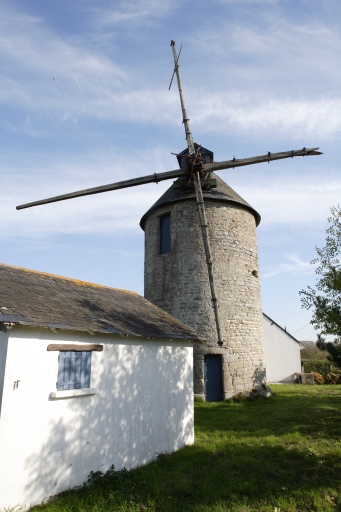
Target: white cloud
[
  {"x": 59, "y": 78},
  {"x": 280, "y": 199},
  {"x": 271, "y": 37},
  {"x": 234, "y": 111},
  {"x": 284, "y": 200},
  {"x": 137, "y": 12},
  {"x": 95, "y": 214},
  {"x": 104, "y": 213},
  {"x": 294, "y": 265},
  {"x": 212, "y": 112},
  {"x": 282, "y": 78},
  {"x": 40, "y": 70},
  {"x": 246, "y": 2},
  {"x": 271, "y": 55}
]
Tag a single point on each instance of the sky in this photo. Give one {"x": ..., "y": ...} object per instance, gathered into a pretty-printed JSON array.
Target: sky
[{"x": 85, "y": 102}]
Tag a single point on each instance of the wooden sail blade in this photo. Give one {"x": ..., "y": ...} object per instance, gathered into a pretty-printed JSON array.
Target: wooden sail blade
[
  {"x": 155, "y": 178},
  {"x": 185, "y": 118},
  {"x": 177, "y": 60},
  {"x": 151, "y": 178},
  {"x": 269, "y": 157}
]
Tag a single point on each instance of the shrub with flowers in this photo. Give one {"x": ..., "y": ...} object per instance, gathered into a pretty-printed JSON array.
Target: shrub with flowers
[
  {"x": 318, "y": 378},
  {"x": 329, "y": 378},
  {"x": 333, "y": 377}
]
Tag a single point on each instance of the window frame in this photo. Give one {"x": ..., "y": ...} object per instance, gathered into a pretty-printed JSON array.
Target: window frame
[
  {"x": 75, "y": 359},
  {"x": 74, "y": 370},
  {"x": 165, "y": 237}
]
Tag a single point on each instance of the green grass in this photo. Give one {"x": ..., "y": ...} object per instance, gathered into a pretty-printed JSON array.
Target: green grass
[{"x": 282, "y": 453}]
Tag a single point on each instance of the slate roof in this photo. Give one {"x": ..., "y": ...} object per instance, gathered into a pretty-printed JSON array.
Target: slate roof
[
  {"x": 221, "y": 193},
  {"x": 32, "y": 298}
]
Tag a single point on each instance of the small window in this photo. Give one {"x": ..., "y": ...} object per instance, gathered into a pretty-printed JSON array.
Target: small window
[
  {"x": 74, "y": 369},
  {"x": 165, "y": 234}
]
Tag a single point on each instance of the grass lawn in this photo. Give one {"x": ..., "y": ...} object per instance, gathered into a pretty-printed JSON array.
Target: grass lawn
[{"x": 281, "y": 454}]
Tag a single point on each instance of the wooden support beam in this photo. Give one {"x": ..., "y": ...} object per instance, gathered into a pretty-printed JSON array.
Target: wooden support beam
[
  {"x": 208, "y": 254},
  {"x": 75, "y": 347}
]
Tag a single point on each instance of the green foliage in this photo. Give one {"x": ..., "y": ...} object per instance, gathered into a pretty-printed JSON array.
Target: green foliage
[
  {"x": 325, "y": 298},
  {"x": 253, "y": 456},
  {"x": 333, "y": 348},
  {"x": 312, "y": 352},
  {"x": 323, "y": 374},
  {"x": 110, "y": 475},
  {"x": 322, "y": 367}
]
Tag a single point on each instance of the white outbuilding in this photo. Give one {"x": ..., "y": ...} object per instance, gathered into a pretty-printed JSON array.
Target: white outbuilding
[
  {"x": 90, "y": 376},
  {"x": 282, "y": 352}
]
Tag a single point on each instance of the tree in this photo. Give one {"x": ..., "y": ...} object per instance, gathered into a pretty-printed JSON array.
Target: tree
[
  {"x": 325, "y": 298},
  {"x": 312, "y": 352},
  {"x": 332, "y": 347}
]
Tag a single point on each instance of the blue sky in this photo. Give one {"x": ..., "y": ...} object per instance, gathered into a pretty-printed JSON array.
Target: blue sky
[{"x": 85, "y": 101}]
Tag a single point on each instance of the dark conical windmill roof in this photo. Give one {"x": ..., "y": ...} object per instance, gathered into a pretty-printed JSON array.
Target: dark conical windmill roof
[{"x": 222, "y": 193}]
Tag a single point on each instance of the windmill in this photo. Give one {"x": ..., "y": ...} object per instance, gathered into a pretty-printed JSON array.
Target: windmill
[{"x": 195, "y": 174}]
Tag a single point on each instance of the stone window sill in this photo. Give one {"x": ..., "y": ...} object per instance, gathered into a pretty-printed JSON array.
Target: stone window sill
[{"x": 70, "y": 393}]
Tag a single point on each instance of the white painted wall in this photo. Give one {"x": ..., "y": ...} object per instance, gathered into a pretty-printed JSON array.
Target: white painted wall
[
  {"x": 3, "y": 355},
  {"x": 143, "y": 406},
  {"x": 282, "y": 354}
]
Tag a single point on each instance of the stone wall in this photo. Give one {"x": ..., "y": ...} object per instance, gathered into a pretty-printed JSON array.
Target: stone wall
[{"x": 178, "y": 283}]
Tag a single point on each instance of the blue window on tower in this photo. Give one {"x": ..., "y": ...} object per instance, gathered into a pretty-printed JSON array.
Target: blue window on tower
[
  {"x": 74, "y": 369},
  {"x": 165, "y": 234}
]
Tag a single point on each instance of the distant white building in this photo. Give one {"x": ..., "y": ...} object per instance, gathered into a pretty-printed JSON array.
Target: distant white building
[
  {"x": 90, "y": 376},
  {"x": 282, "y": 352}
]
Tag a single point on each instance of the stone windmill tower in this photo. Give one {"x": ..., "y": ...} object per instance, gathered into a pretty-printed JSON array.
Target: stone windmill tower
[
  {"x": 201, "y": 262},
  {"x": 176, "y": 280}
]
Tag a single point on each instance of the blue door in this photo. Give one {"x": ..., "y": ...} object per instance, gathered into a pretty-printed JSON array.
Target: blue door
[{"x": 213, "y": 376}]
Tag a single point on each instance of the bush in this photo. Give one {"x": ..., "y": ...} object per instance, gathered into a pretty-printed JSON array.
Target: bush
[
  {"x": 312, "y": 353},
  {"x": 333, "y": 377},
  {"x": 318, "y": 378},
  {"x": 330, "y": 378},
  {"x": 313, "y": 365}
]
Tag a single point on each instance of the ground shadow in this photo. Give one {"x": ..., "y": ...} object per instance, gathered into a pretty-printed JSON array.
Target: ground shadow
[{"x": 247, "y": 456}]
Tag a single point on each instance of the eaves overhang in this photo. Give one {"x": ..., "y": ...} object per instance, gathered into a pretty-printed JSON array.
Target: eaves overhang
[{"x": 222, "y": 193}]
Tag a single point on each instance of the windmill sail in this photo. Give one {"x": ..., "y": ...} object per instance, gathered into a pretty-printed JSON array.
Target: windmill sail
[
  {"x": 194, "y": 170},
  {"x": 156, "y": 177},
  {"x": 195, "y": 166}
]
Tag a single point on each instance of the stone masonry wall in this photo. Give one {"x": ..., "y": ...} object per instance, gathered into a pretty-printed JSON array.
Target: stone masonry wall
[{"x": 178, "y": 283}]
